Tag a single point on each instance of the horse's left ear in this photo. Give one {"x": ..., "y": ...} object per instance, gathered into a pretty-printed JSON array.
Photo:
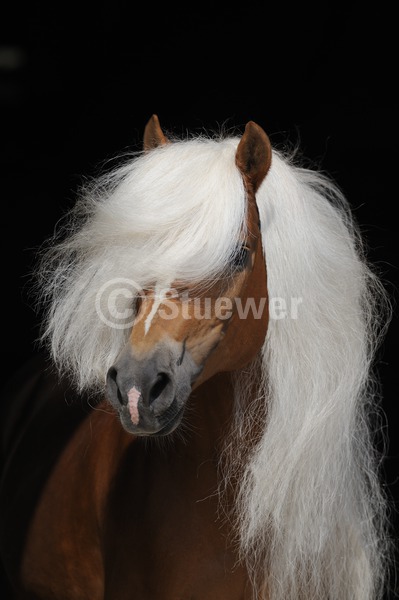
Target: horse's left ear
[
  {"x": 153, "y": 134},
  {"x": 254, "y": 155}
]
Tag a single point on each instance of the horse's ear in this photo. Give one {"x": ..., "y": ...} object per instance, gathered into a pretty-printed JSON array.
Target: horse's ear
[
  {"x": 153, "y": 134},
  {"x": 254, "y": 155}
]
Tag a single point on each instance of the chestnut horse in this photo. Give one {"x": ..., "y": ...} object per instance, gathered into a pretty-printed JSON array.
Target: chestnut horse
[{"x": 206, "y": 432}]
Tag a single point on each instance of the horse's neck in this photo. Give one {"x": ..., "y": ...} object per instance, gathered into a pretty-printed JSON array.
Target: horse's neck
[
  {"x": 209, "y": 414},
  {"x": 113, "y": 477}
]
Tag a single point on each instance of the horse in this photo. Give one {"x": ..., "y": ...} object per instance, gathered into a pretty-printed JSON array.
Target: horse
[{"x": 201, "y": 421}]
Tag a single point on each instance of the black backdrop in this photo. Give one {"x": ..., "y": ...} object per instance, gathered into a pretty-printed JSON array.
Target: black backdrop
[{"x": 79, "y": 81}]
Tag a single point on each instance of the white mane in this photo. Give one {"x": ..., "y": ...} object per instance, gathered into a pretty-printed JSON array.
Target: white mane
[
  {"x": 174, "y": 213},
  {"x": 312, "y": 514}
]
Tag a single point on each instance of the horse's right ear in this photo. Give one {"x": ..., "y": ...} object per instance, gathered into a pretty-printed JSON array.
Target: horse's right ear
[
  {"x": 153, "y": 134},
  {"x": 254, "y": 155}
]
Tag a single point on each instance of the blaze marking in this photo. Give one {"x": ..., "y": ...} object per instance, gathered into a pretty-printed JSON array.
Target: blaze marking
[
  {"x": 133, "y": 399},
  {"x": 159, "y": 295}
]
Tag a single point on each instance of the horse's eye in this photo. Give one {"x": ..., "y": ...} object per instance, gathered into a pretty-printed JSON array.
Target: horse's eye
[{"x": 240, "y": 258}]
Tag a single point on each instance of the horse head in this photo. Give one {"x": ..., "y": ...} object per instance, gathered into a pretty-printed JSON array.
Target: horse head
[{"x": 183, "y": 334}]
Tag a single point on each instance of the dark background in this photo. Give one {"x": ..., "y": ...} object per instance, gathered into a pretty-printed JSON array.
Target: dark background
[{"x": 78, "y": 83}]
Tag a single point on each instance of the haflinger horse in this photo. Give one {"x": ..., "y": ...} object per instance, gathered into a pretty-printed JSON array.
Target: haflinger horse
[{"x": 208, "y": 429}]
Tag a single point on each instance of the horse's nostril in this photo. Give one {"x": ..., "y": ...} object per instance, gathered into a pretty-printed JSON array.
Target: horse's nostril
[
  {"x": 113, "y": 385},
  {"x": 112, "y": 373},
  {"x": 160, "y": 384}
]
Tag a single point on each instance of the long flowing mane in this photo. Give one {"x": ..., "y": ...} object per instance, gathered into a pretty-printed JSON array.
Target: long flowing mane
[{"x": 310, "y": 510}]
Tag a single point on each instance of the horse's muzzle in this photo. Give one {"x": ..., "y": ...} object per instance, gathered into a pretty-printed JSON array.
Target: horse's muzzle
[{"x": 149, "y": 392}]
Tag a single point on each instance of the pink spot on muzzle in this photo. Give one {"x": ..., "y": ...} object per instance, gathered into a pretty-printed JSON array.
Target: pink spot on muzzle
[{"x": 133, "y": 399}]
